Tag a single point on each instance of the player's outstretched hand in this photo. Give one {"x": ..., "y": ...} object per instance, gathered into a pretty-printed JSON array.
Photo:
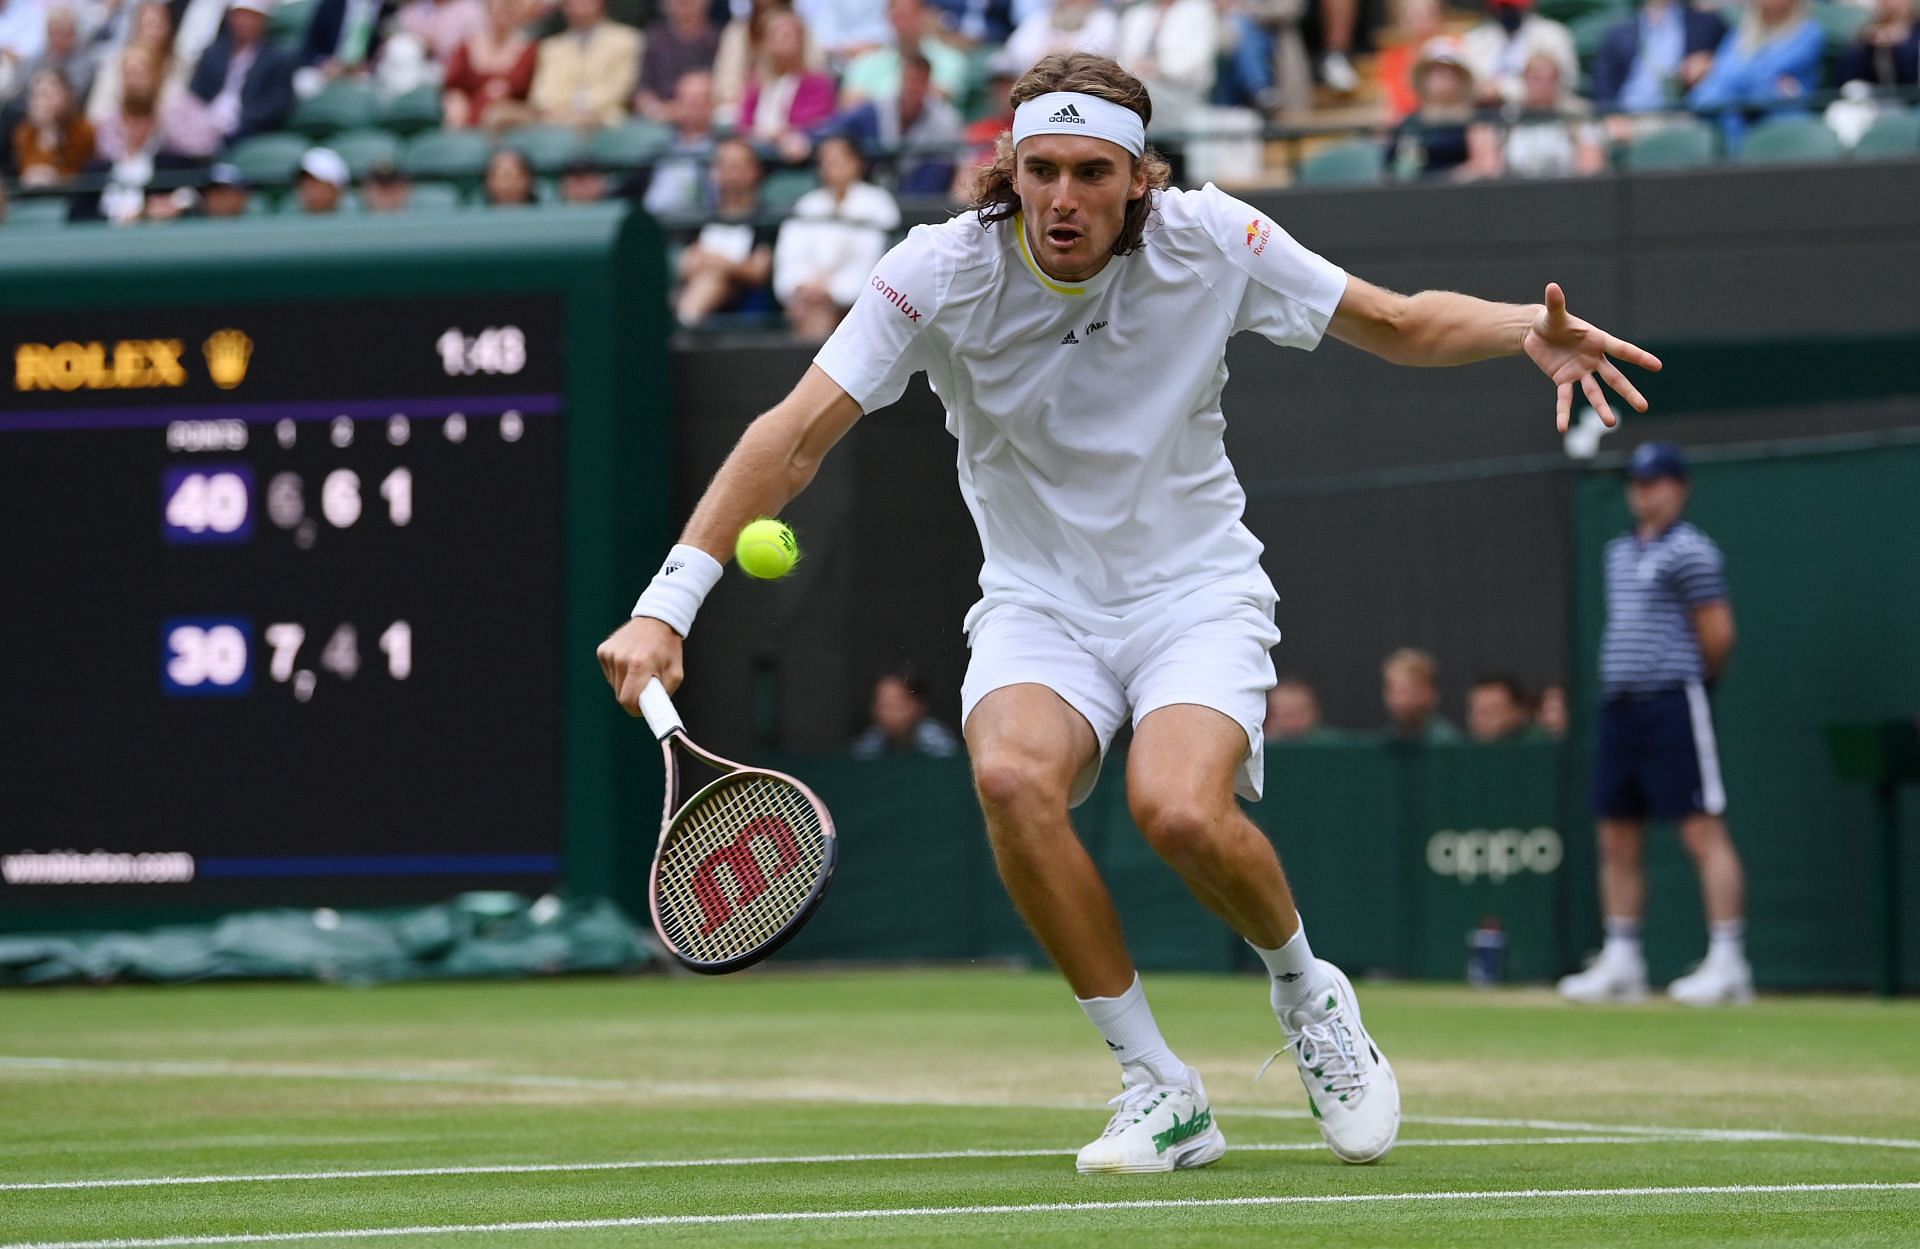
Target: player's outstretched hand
[
  {"x": 635, "y": 653},
  {"x": 1570, "y": 351}
]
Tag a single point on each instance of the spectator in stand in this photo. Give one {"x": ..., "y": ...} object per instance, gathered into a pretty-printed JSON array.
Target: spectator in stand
[
  {"x": 1172, "y": 47},
  {"x": 1769, "y": 63},
  {"x": 1338, "y": 18},
  {"x": 982, "y": 135},
  {"x": 195, "y": 29},
  {"x": 973, "y": 24},
  {"x": 443, "y": 26},
  {"x": 509, "y": 179},
  {"x": 583, "y": 182},
  {"x": 490, "y": 75},
  {"x": 1065, "y": 26},
  {"x": 676, "y": 188},
  {"x": 1886, "y": 52},
  {"x": 728, "y": 265},
  {"x": 785, "y": 102},
  {"x": 1648, "y": 62},
  {"x": 3, "y": 201},
  {"x": 1409, "y": 687},
  {"x": 920, "y": 125},
  {"x": 1498, "y": 49},
  {"x": 53, "y": 142},
  {"x": 829, "y": 245},
  {"x": 585, "y": 74},
  {"x": 151, "y": 118},
  {"x": 1546, "y": 135},
  {"x": 678, "y": 44},
  {"x": 1498, "y": 710},
  {"x": 877, "y": 75},
  {"x": 1551, "y": 714},
  {"x": 321, "y": 182},
  {"x": 1417, "y": 23},
  {"x": 1432, "y": 142},
  {"x": 743, "y": 46},
  {"x": 844, "y": 29},
  {"x": 343, "y": 38},
  {"x": 901, "y": 725},
  {"x": 66, "y": 53},
  {"x": 226, "y": 193},
  {"x": 23, "y": 36},
  {"x": 150, "y": 28},
  {"x": 386, "y": 189},
  {"x": 1293, "y": 712},
  {"x": 245, "y": 82}
]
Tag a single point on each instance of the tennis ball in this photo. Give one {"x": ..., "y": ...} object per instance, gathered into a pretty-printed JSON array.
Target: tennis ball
[{"x": 766, "y": 549}]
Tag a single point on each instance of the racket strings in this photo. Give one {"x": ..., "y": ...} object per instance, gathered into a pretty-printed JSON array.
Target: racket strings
[{"x": 738, "y": 867}]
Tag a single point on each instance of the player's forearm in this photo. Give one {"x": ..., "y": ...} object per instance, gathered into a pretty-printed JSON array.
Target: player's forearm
[
  {"x": 763, "y": 473},
  {"x": 1440, "y": 328}
]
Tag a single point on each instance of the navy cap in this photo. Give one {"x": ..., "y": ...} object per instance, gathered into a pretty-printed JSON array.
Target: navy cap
[{"x": 1654, "y": 460}]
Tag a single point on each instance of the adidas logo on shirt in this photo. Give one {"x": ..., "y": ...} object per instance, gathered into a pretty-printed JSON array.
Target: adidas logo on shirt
[
  {"x": 1068, "y": 339},
  {"x": 1067, "y": 114}
]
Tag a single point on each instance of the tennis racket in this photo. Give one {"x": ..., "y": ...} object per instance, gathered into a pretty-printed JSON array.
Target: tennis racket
[{"x": 744, "y": 857}]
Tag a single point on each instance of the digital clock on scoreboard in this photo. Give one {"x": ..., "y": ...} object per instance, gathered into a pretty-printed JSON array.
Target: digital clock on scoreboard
[{"x": 283, "y": 600}]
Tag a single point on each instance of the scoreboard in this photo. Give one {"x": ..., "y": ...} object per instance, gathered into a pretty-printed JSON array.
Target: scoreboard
[{"x": 286, "y": 601}]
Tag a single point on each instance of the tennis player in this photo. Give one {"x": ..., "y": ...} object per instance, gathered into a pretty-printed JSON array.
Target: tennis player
[{"x": 1075, "y": 326}]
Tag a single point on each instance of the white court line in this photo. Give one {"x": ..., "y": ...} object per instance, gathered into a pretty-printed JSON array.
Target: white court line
[
  {"x": 646, "y": 1164},
  {"x": 912, "y": 1212},
  {"x": 736, "y": 1092}
]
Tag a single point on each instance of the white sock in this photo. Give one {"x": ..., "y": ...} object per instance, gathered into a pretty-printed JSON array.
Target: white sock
[
  {"x": 1293, "y": 970},
  {"x": 1126, "y": 1023},
  {"x": 1727, "y": 939},
  {"x": 1623, "y": 939}
]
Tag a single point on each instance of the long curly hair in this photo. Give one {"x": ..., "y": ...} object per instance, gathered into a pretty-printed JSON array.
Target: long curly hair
[{"x": 994, "y": 198}]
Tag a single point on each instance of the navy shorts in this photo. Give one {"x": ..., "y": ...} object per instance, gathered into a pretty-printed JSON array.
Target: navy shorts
[{"x": 1655, "y": 757}]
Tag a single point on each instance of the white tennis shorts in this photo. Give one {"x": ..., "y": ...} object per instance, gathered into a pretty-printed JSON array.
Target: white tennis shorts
[{"x": 1220, "y": 663}]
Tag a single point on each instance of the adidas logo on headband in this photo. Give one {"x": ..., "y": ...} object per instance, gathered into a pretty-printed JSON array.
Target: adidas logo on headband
[{"x": 1068, "y": 114}]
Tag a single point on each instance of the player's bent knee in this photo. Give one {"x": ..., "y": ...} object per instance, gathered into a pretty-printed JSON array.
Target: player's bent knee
[
  {"x": 1014, "y": 782},
  {"x": 1176, "y": 825}
]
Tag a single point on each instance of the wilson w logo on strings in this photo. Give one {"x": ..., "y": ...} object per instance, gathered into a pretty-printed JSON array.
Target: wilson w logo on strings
[{"x": 743, "y": 867}]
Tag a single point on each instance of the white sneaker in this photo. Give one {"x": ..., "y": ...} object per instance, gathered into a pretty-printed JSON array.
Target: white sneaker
[
  {"x": 1156, "y": 1127},
  {"x": 1611, "y": 978},
  {"x": 1338, "y": 73},
  {"x": 1350, "y": 1085},
  {"x": 1724, "y": 981}
]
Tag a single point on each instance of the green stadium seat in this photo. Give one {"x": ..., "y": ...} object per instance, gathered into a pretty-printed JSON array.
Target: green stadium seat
[
  {"x": 434, "y": 197},
  {"x": 363, "y": 149},
  {"x": 1682, "y": 145},
  {"x": 1795, "y": 139},
  {"x": 547, "y": 148},
  {"x": 1891, "y": 135},
  {"x": 269, "y": 160},
  {"x": 37, "y": 211},
  {"x": 413, "y": 111},
  {"x": 1356, "y": 162},
  {"x": 1840, "y": 23},
  {"x": 460, "y": 155},
  {"x": 630, "y": 145},
  {"x": 783, "y": 189},
  {"x": 343, "y": 105},
  {"x": 287, "y": 26}
]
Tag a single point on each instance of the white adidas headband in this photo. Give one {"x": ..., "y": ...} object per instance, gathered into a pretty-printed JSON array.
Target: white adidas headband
[{"x": 1071, "y": 112}]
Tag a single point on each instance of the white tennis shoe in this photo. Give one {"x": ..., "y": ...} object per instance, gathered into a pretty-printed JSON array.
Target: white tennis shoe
[
  {"x": 1350, "y": 1086},
  {"x": 1720, "y": 981},
  {"x": 1156, "y": 1126},
  {"x": 1612, "y": 978}
]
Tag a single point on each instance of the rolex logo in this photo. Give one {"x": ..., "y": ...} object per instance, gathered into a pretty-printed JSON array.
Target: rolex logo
[{"x": 228, "y": 353}]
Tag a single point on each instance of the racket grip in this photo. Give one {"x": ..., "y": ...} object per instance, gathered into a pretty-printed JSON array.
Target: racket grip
[{"x": 658, "y": 709}]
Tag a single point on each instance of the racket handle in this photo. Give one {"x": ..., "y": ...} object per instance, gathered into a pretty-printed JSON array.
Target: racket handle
[{"x": 658, "y": 709}]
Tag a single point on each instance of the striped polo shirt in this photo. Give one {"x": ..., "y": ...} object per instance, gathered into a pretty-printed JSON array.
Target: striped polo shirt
[{"x": 1652, "y": 589}]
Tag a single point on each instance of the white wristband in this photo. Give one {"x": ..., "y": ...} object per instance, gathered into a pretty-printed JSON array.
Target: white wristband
[{"x": 677, "y": 590}]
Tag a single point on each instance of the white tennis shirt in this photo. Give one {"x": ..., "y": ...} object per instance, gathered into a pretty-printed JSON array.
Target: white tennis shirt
[{"x": 1091, "y": 448}]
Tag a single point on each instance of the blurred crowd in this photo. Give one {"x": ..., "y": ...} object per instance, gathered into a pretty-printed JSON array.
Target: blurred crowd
[
  {"x": 1499, "y": 708},
  {"x": 779, "y": 135}
]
